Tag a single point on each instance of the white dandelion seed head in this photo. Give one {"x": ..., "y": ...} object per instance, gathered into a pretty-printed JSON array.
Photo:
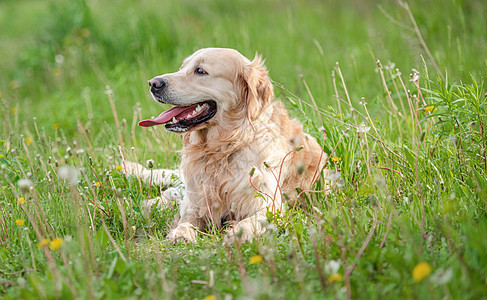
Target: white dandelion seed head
[
  {"x": 414, "y": 75},
  {"x": 442, "y": 276},
  {"x": 363, "y": 128},
  {"x": 25, "y": 183},
  {"x": 70, "y": 174},
  {"x": 333, "y": 176},
  {"x": 59, "y": 59}
]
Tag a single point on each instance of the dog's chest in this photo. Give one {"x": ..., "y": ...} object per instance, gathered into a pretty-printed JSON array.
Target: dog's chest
[{"x": 215, "y": 186}]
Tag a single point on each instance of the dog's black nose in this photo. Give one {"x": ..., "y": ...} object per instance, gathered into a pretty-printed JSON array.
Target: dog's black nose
[{"x": 157, "y": 83}]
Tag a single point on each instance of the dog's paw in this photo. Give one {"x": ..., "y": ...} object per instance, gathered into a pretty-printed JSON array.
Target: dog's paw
[
  {"x": 239, "y": 233},
  {"x": 185, "y": 232}
]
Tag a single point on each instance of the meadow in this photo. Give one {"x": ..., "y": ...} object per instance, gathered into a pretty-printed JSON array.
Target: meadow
[{"x": 396, "y": 94}]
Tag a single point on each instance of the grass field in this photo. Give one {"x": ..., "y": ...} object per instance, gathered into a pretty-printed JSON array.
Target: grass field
[{"x": 400, "y": 98}]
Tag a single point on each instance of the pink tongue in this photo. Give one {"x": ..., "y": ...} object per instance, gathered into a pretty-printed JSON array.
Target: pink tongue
[{"x": 165, "y": 116}]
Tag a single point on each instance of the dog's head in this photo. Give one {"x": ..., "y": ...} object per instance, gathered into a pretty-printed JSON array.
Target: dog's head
[{"x": 213, "y": 86}]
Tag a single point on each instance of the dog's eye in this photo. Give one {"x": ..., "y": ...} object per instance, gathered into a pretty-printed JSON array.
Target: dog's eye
[{"x": 200, "y": 71}]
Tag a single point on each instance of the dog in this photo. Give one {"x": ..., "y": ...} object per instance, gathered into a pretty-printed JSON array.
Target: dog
[{"x": 242, "y": 154}]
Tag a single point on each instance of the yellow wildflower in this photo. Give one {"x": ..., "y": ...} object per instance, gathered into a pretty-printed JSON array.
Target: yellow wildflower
[
  {"x": 56, "y": 243},
  {"x": 119, "y": 168},
  {"x": 21, "y": 201},
  {"x": 336, "y": 159},
  {"x": 14, "y": 84},
  {"x": 55, "y": 126},
  {"x": 430, "y": 108},
  {"x": 19, "y": 222},
  {"x": 28, "y": 140},
  {"x": 15, "y": 110},
  {"x": 421, "y": 271},
  {"x": 43, "y": 243},
  {"x": 210, "y": 297},
  {"x": 56, "y": 72},
  {"x": 256, "y": 259},
  {"x": 85, "y": 32},
  {"x": 335, "y": 277},
  {"x": 98, "y": 183},
  {"x": 1, "y": 155}
]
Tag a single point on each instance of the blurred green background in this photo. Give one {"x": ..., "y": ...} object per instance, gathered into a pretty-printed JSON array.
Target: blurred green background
[{"x": 57, "y": 57}]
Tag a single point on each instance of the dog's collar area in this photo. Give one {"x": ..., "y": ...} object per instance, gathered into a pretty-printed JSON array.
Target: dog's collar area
[{"x": 181, "y": 119}]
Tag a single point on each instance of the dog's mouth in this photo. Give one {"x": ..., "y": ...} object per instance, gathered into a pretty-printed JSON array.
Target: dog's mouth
[{"x": 183, "y": 118}]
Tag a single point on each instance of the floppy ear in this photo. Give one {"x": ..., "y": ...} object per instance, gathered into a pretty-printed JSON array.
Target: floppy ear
[{"x": 254, "y": 88}]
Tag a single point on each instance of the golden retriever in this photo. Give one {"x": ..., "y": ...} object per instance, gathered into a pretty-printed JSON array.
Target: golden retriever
[{"x": 242, "y": 154}]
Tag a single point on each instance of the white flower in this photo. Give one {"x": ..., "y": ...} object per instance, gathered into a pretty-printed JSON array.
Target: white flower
[
  {"x": 149, "y": 163},
  {"x": 70, "y": 174},
  {"x": 362, "y": 101},
  {"x": 333, "y": 176},
  {"x": 25, "y": 183},
  {"x": 332, "y": 267},
  {"x": 441, "y": 276},
  {"x": 414, "y": 75},
  {"x": 363, "y": 128},
  {"x": 390, "y": 66},
  {"x": 59, "y": 59}
]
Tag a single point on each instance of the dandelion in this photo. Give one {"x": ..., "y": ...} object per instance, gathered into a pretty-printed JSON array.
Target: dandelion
[
  {"x": 149, "y": 163},
  {"x": 55, "y": 126},
  {"x": 119, "y": 168},
  {"x": 19, "y": 222},
  {"x": 56, "y": 243},
  {"x": 336, "y": 159},
  {"x": 56, "y": 72},
  {"x": 43, "y": 243},
  {"x": 59, "y": 59},
  {"x": 390, "y": 66},
  {"x": 28, "y": 140},
  {"x": 21, "y": 201},
  {"x": 210, "y": 297},
  {"x": 430, "y": 108},
  {"x": 25, "y": 183},
  {"x": 98, "y": 183},
  {"x": 363, "y": 128},
  {"x": 414, "y": 76},
  {"x": 256, "y": 259},
  {"x": 332, "y": 267},
  {"x": 441, "y": 276},
  {"x": 15, "y": 110},
  {"x": 14, "y": 84},
  {"x": 85, "y": 32},
  {"x": 70, "y": 174},
  {"x": 1, "y": 155},
  {"x": 335, "y": 277},
  {"x": 421, "y": 271}
]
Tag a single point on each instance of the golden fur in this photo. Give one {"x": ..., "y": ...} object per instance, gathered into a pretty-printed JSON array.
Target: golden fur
[{"x": 249, "y": 131}]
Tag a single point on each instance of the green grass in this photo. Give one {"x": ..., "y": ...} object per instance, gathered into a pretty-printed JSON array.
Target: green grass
[{"x": 411, "y": 189}]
